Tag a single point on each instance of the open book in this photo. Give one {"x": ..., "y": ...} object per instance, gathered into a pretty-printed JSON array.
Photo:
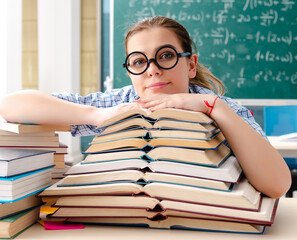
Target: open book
[
  {"x": 212, "y": 158},
  {"x": 242, "y": 196},
  {"x": 148, "y": 134},
  {"x": 229, "y": 171},
  {"x": 177, "y": 223},
  {"x": 140, "y": 206},
  {"x": 137, "y": 176},
  {"x": 162, "y": 114},
  {"x": 165, "y": 119},
  {"x": 142, "y": 143}
]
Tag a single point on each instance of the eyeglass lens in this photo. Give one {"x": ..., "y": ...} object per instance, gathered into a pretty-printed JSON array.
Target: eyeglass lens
[{"x": 165, "y": 58}]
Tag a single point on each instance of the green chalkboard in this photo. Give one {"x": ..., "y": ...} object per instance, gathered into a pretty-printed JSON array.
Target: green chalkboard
[{"x": 251, "y": 45}]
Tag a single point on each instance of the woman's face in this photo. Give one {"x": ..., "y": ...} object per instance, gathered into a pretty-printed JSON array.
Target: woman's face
[{"x": 156, "y": 80}]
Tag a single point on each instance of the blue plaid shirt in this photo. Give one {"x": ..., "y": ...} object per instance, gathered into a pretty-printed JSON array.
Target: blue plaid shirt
[{"x": 127, "y": 94}]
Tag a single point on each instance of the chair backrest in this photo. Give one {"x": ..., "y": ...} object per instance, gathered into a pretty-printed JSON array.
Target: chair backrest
[{"x": 279, "y": 120}]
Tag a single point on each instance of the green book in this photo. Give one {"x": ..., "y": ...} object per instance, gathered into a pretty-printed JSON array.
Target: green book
[{"x": 13, "y": 225}]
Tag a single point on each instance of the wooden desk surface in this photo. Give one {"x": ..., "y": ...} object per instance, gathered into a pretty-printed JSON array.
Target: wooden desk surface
[
  {"x": 284, "y": 228},
  {"x": 286, "y": 149}
]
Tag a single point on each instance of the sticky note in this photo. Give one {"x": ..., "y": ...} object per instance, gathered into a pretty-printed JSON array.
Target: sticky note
[{"x": 59, "y": 225}]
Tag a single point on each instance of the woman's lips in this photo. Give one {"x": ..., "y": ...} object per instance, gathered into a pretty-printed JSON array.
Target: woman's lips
[{"x": 157, "y": 86}]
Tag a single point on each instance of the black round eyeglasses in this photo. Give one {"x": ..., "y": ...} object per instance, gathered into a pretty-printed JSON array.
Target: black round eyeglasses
[{"x": 166, "y": 57}]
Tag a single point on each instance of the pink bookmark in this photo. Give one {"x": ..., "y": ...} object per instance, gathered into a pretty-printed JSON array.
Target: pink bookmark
[{"x": 60, "y": 225}]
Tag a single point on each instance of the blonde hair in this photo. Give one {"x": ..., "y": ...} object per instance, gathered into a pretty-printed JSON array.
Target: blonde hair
[{"x": 204, "y": 78}]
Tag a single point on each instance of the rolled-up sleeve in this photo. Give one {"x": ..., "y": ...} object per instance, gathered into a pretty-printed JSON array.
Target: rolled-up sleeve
[
  {"x": 246, "y": 115},
  {"x": 105, "y": 99},
  {"x": 241, "y": 111}
]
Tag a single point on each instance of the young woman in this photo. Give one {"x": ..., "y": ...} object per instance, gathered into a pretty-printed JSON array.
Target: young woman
[{"x": 165, "y": 74}]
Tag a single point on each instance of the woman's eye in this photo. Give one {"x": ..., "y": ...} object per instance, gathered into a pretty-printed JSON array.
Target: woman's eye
[
  {"x": 166, "y": 55},
  {"x": 139, "y": 62}
]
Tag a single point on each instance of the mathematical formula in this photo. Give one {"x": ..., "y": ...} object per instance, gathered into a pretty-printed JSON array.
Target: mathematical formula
[
  {"x": 284, "y": 5},
  {"x": 261, "y": 76},
  {"x": 243, "y": 40}
]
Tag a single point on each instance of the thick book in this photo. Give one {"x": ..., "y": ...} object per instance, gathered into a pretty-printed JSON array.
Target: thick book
[
  {"x": 62, "y": 148},
  {"x": 162, "y": 114},
  {"x": 129, "y": 206},
  {"x": 133, "y": 132},
  {"x": 162, "y": 125},
  {"x": 58, "y": 173},
  {"x": 8, "y": 209},
  {"x": 37, "y": 134},
  {"x": 12, "y": 226},
  {"x": 31, "y": 143},
  {"x": 141, "y": 177},
  {"x": 242, "y": 196},
  {"x": 20, "y": 186},
  {"x": 19, "y": 139},
  {"x": 211, "y": 158},
  {"x": 18, "y": 161},
  {"x": 177, "y": 223},
  {"x": 141, "y": 143},
  {"x": 31, "y": 128},
  {"x": 59, "y": 160},
  {"x": 228, "y": 171}
]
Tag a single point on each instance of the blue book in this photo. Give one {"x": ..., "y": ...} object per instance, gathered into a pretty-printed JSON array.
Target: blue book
[
  {"x": 20, "y": 186},
  {"x": 17, "y": 161}
]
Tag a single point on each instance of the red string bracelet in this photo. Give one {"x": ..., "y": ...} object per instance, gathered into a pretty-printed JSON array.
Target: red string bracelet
[{"x": 208, "y": 105}]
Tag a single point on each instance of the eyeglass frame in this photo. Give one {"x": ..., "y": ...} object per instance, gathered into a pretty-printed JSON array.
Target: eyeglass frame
[{"x": 148, "y": 61}]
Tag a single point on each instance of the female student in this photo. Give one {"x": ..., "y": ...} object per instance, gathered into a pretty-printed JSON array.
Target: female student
[{"x": 165, "y": 73}]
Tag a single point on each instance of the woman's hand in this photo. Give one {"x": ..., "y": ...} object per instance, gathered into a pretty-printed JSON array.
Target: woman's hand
[
  {"x": 102, "y": 114},
  {"x": 187, "y": 101}
]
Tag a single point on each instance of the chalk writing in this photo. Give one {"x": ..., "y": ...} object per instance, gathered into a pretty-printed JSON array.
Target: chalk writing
[{"x": 244, "y": 42}]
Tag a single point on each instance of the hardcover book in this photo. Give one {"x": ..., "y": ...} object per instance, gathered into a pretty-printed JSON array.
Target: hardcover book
[
  {"x": 129, "y": 206},
  {"x": 212, "y": 158},
  {"x": 156, "y": 142},
  {"x": 142, "y": 177},
  {"x": 242, "y": 196},
  {"x": 18, "y": 161},
  {"x": 162, "y": 114},
  {"x": 228, "y": 171},
  {"x": 178, "y": 223},
  {"x": 20, "y": 186},
  {"x": 12, "y": 226},
  {"x": 30, "y": 128}
]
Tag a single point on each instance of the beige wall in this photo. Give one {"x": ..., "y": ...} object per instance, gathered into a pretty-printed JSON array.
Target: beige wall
[
  {"x": 29, "y": 45},
  {"x": 89, "y": 71}
]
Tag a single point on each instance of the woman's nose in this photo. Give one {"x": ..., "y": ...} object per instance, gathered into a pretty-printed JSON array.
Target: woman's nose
[{"x": 153, "y": 68}]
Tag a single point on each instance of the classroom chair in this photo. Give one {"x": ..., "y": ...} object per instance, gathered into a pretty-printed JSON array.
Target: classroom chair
[{"x": 279, "y": 120}]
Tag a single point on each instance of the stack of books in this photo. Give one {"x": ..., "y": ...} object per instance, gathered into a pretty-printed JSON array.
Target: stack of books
[
  {"x": 36, "y": 137},
  {"x": 167, "y": 169},
  {"x": 27, "y": 158}
]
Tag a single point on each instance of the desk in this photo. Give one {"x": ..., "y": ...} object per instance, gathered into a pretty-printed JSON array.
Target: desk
[
  {"x": 284, "y": 228},
  {"x": 286, "y": 149}
]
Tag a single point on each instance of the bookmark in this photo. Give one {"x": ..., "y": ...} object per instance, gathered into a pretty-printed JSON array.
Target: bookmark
[{"x": 60, "y": 225}]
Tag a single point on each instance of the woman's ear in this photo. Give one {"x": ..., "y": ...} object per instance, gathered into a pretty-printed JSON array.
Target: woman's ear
[{"x": 192, "y": 66}]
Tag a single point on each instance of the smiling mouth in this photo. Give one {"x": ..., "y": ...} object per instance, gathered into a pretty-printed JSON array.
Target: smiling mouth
[{"x": 157, "y": 86}]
